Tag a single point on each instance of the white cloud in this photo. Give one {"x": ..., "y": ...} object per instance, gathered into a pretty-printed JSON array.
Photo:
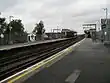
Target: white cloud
[{"x": 64, "y": 13}]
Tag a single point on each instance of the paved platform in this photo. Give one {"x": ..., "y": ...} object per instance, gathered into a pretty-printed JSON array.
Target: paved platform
[
  {"x": 88, "y": 63},
  {"x": 7, "y": 47}
]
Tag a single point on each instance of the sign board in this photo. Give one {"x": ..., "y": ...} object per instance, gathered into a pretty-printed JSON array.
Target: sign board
[
  {"x": 104, "y": 21},
  {"x": 107, "y": 22}
]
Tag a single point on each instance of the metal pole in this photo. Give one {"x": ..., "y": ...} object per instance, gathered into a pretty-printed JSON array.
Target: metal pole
[
  {"x": 106, "y": 37},
  {"x": 106, "y": 14},
  {"x": 106, "y": 22},
  {"x": 10, "y": 17}
]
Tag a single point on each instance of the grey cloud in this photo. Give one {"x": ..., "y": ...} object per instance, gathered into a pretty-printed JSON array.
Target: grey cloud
[
  {"x": 65, "y": 13},
  {"x": 60, "y": 3},
  {"x": 5, "y": 4}
]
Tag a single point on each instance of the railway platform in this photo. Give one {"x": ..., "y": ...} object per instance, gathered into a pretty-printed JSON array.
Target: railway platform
[
  {"x": 84, "y": 62},
  {"x": 88, "y": 63},
  {"x": 12, "y": 46}
]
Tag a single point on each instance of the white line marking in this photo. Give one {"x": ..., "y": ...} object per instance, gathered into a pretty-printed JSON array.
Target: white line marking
[
  {"x": 73, "y": 77},
  {"x": 44, "y": 61}
]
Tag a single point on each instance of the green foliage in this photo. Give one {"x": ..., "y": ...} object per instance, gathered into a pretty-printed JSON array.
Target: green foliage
[
  {"x": 2, "y": 20},
  {"x": 13, "y": 32},
  {"x": 39, "y": 29},
  {"x": 17, "y": 27},
  {"x": 3, "y": 25}
]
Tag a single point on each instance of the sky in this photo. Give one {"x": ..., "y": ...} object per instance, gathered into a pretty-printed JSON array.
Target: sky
[{"x": 62, "y": 14}]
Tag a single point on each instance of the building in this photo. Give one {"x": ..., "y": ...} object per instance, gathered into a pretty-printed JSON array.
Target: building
[
  {"x": 31, "y": 37},
  {"x": 68, "y": 33},
  {"x": 53, "y": 35},
  {"x": 63, "y": 34}
]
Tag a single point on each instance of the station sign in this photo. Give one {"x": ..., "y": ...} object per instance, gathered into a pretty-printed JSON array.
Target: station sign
[{"x": 105, "y": 23}]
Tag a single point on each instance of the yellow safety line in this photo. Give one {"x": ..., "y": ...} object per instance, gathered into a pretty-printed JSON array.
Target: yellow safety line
[
  {"x": 22, "y": 75},
  {"x": 37, "y": 67}
]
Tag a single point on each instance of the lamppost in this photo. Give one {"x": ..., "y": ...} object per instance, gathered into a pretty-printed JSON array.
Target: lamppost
[
  {"x": 10, "y": 28},
  {"x": 106, "y": 13},
  {"x": 107, "y": 34}
]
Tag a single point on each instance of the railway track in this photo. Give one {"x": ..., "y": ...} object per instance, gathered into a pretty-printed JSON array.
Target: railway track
[{"x": 18, "y": 59}]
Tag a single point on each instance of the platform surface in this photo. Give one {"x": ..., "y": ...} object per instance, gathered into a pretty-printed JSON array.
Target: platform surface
[
  {"x": 7, "y": 47},
  {"x": 88, "y": 63}
]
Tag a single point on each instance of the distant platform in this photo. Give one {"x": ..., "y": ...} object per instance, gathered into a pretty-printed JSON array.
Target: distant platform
[{"x": 7, "y": 47}]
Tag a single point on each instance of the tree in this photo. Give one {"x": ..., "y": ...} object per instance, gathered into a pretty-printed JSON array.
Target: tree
[
  {"x": 17, "y": 27},
  {"x": 17, "y": 31},
  {"x": 3, "y": 25},
  {"x": 14, "y": 31},
  {"x": 39, "y": 30},
  {"x": 3, "y": 28}
]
